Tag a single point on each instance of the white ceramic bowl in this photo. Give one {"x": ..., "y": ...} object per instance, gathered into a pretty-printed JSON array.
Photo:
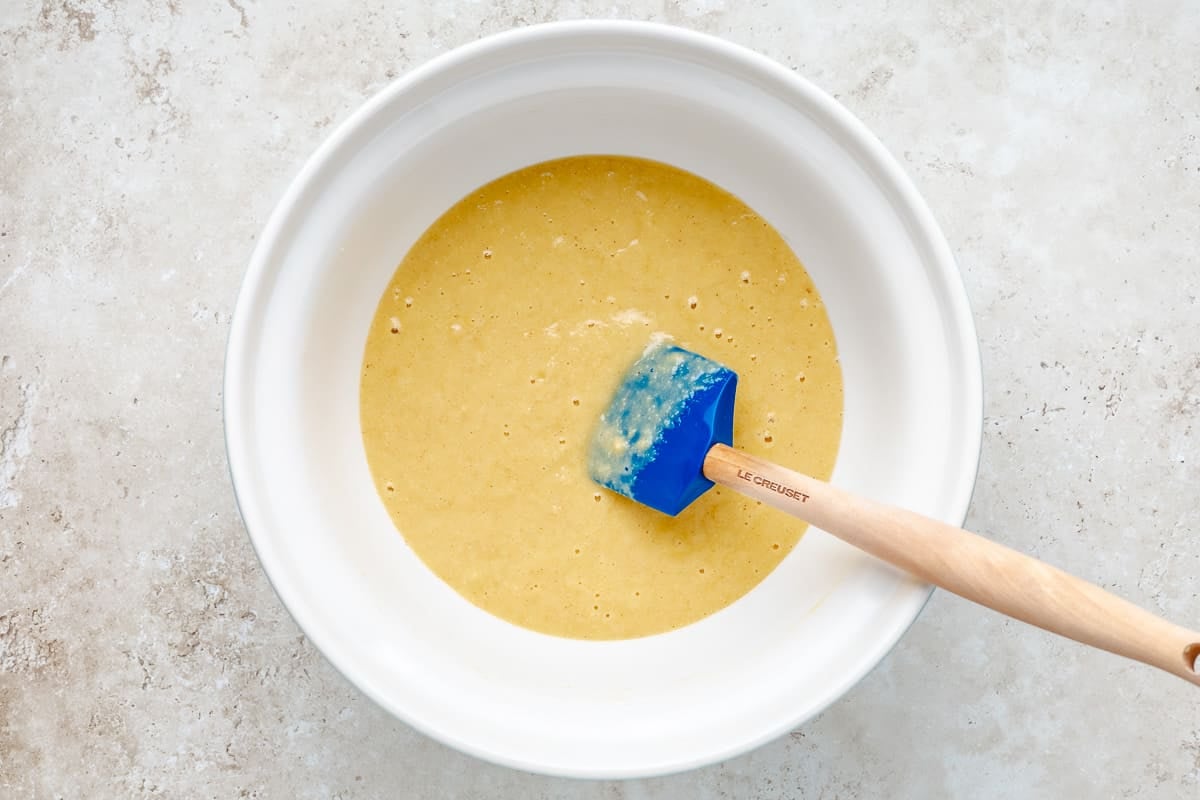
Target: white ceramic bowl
[{"x": 719, "y": 687}]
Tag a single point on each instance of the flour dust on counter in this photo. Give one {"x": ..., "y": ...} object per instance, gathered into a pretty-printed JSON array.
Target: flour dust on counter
[{"x": 500, "y": 340}]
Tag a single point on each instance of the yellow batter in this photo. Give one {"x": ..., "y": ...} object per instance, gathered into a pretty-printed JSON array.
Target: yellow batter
[{"x": 501, "y": 339}]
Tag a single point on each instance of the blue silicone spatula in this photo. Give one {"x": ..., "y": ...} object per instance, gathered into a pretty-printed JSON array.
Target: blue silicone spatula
[{"x": 667, "y": 438}]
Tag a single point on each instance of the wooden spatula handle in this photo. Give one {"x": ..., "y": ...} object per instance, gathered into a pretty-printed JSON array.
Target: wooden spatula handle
[{"x": 966, "y": 564}]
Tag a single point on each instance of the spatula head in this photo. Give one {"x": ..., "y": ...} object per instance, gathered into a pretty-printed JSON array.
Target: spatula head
[{"x": 670, "y": 409}]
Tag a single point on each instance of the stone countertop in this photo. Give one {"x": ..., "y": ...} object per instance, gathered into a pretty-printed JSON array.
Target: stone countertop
[{"x": 142, "y": 146}]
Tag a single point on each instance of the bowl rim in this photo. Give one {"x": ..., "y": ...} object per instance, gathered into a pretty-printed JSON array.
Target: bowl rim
[{"x": 256, "y": 282}]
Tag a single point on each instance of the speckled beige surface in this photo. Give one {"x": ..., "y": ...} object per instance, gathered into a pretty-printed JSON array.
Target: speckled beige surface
[{"x": 142, "y": 145}]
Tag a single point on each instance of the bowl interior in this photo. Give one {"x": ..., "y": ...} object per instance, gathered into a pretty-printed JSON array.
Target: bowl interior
[{"x": 639, "y": 707}]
